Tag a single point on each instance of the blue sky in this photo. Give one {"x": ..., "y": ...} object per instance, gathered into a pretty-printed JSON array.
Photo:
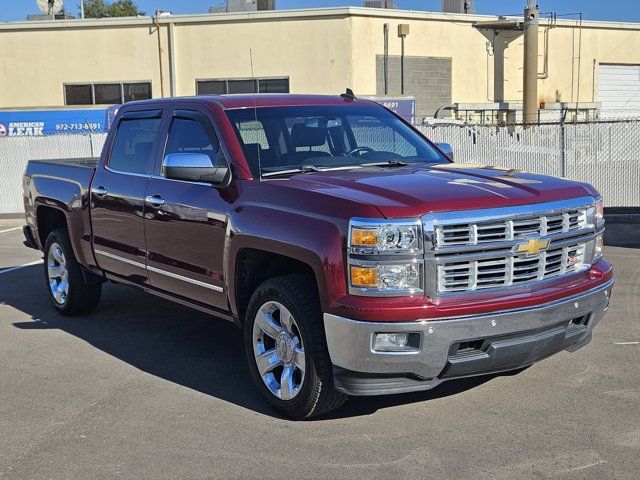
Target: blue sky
[{"x": 622, "y": 10}]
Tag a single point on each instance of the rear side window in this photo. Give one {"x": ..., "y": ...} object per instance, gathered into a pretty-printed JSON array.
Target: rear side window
[
  {"x": 192, "y": 133},
  {"x": 132, "y": 147}
]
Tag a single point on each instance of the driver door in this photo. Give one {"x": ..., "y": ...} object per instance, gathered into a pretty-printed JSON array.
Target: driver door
[{"x": 186, "y": 221}]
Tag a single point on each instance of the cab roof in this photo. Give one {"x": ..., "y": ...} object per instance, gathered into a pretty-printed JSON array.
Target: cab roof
[{"x": 249, "y": 100}]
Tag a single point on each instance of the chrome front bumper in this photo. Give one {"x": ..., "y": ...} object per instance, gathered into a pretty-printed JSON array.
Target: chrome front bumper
[{"x": 502, "y": 341}]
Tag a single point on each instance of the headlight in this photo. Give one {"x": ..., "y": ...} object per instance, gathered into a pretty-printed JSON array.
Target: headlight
[
  {"x": 370, "y": 238},
  {"x": 385, "y": 257},
  {"x": 599, "y": 212},
  {"x": 598, "y": 248},
  {"x": 385, "y": 278}
]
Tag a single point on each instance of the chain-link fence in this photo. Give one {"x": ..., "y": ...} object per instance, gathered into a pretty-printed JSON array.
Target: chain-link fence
[
  {"x": 605, "y": 154},
  {"x": 15, "y": 152}
]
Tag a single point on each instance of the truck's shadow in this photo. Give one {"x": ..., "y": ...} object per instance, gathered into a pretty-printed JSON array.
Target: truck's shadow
[{"x": 175, "y": 343}]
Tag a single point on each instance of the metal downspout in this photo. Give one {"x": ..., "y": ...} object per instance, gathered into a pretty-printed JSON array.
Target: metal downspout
[
  {"x": 172, "y": 60},
  {"x": 156, "y": 24},
  {"x": 386, "y": 58}
]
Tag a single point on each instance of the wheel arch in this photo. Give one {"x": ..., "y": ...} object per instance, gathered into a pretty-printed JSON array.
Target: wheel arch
[
  {"x": 48, "y": 218},
  {"x": 254, "y": 266}
]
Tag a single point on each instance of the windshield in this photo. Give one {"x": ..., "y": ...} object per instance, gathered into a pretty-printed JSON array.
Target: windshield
[{"x": 279, "y": 140}]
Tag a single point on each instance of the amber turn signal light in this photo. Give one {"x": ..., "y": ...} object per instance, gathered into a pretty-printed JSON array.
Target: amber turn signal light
[
  {"x": 364, "y": 237},
  {"x": 364, "y": 277}
]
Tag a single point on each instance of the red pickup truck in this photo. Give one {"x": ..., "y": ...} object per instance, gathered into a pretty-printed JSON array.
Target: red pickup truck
[{"x": 357, "y": 257}]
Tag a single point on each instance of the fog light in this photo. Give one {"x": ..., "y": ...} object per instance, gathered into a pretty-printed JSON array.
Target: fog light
[{"x": 396, "y": 342}]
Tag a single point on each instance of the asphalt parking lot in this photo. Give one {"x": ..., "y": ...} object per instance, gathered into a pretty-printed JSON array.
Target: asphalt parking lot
[{"x": 143, "y": 388}]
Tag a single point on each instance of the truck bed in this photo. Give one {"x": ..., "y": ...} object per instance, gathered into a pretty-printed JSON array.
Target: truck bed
[
  {"x": 64, "y": 185},
  {"x": 60, "y": 180},
  {"x": 76, "y": 170}
]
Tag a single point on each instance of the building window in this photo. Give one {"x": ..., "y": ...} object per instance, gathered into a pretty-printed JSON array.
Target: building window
[
  {"x": 106, "y": 93},
  {"x": 78, "y": 95},
  {"x": 136, "y": 91},
  {"x": 242, "y": 85},
  {"x": 274, "y": 85}
]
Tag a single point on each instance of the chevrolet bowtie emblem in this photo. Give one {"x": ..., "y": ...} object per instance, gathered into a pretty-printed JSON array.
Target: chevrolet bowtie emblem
[{"x": 532, "y": 246}]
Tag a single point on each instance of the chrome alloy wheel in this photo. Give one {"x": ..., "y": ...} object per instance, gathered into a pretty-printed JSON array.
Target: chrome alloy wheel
[
  {"x": 58, "y": 274},
  {"x": 278, "y": 350}
]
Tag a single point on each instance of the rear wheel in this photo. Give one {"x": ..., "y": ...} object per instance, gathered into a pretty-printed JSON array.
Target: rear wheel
[
  {"x": 286, "y": 348},
  {"x": 69, "y": 291}
]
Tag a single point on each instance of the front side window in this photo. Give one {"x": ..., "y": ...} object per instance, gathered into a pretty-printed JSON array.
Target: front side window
[
  {"x": 191, "y": 132},
  {"x": 133, "y": 144},
  {"x": 305, "y": 137}
]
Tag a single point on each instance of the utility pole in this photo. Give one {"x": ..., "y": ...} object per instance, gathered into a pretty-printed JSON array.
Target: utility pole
[
  {"x": 82, "y": 9},
  {"x": 530, "y": 80}
]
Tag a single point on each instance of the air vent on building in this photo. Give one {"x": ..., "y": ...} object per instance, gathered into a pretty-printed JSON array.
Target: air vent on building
[
  {"x": 457, "y": 6},
  {"x": 243, "y": 6},
  {"x": 380, "y": 4}
]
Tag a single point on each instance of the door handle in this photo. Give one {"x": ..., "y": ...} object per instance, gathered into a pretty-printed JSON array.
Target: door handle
[
  {"x": 100, "y": 191},
  {"x": 155, "y": 201}
]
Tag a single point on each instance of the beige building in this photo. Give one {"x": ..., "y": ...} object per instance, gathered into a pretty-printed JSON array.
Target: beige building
[{"x": 448, "y": 59}]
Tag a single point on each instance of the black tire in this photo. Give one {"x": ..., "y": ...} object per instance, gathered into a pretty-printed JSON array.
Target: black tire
[
  {"x": 316, "y": 394},
  {"x": 82, "y": 297}
]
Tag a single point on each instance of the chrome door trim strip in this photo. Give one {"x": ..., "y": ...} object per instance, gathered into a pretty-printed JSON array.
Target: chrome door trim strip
[
  {"x": 186, "y": 279},
  {"x": 161, "y": 272},
  {"x": 117, "y": 257},
  {"x": 122, "y": 172}
]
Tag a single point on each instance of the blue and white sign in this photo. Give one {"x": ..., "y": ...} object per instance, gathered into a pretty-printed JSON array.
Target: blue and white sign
[
  {"x": 35, "y": 123},
  {"x": 403, "y": 106}
]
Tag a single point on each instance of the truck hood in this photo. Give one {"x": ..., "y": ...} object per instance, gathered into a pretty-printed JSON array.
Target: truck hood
[{"x": 416, "y": 189}]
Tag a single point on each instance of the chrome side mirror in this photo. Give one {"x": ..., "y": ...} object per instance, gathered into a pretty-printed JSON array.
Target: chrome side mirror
[
  {"x": 194, "y": 167},
  {"x": 446, "y": 149}
]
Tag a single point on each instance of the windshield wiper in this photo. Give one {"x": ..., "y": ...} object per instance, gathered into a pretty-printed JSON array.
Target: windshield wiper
[
  {"x": 312, "y": 168},
  {"x": 303, "y": 169},
  {"x": 388, "y": 163}
]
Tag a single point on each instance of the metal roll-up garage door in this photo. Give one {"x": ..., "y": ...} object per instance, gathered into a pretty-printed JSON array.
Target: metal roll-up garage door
[{"x": 619, "y": 90}]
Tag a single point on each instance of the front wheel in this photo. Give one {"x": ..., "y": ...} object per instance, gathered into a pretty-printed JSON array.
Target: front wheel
[
  {"x": 286, "y": 348},
  {"x": 69, "y": 291}
]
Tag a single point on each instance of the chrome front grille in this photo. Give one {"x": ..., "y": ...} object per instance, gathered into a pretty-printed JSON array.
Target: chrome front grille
[
  {"x": 501, "y": 271},
  {"x": 467, "y": 251},
  {"x": 475, "y": 233}
]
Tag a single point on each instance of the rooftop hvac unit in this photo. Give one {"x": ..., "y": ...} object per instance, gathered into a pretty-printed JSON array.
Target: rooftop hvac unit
[
  {"x": 380, "y": 4},
  {"x": 42, "y": 17},
  {"x": 244, "y": 6},
  {"x": 457, "y": 6}
]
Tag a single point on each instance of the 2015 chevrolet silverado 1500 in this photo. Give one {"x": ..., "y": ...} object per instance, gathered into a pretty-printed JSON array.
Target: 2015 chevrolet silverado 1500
[{"x": 358, "y": 258}]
